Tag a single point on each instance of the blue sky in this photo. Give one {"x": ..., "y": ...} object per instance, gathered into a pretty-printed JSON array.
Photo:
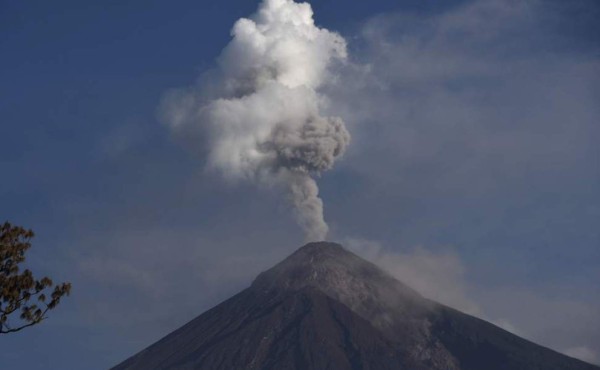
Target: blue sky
[{"x": 474, "y": 157}]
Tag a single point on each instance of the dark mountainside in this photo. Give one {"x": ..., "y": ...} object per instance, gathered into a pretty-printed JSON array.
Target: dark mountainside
[{"x": 326, "y": 308}]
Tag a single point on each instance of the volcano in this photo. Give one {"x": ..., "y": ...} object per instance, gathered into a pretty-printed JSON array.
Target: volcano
[{"x": 323, "y": 307}]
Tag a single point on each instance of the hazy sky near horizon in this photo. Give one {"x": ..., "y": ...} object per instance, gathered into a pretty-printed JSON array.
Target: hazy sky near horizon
[{"x": 473, "y": 173}]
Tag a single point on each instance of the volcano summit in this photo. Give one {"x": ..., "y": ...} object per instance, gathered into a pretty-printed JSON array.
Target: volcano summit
[{"x": 325, "y": 308}]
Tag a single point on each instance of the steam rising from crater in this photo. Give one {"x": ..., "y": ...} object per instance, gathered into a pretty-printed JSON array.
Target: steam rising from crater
[{"x": 261, "y": 117}]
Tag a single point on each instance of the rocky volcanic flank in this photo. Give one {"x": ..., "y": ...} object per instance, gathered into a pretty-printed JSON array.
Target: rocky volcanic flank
[{"x": 325, "y": 308}]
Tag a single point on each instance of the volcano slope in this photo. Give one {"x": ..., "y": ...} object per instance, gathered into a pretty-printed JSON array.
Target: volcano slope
[{"x": 323, "y": 307}]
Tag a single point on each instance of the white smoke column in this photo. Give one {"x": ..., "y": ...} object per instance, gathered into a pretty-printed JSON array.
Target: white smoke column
[{"x": 262, "y": 120}]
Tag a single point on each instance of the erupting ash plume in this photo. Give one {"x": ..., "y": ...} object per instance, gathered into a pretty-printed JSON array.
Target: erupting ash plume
[{"x": 261, "y": 117}]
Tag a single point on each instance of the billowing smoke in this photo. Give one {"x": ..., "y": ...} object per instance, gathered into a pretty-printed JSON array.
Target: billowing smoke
[{"x": 261, "y": 114}]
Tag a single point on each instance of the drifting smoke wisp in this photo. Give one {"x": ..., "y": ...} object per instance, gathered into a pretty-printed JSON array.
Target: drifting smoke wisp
[{"x": 262, "y": 118}]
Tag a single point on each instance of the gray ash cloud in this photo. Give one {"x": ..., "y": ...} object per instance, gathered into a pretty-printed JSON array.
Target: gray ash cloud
[{"x": 261, "y": 115}]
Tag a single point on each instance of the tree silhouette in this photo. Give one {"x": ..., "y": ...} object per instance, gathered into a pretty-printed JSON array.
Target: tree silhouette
[{"x": 20, "y": 293}]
